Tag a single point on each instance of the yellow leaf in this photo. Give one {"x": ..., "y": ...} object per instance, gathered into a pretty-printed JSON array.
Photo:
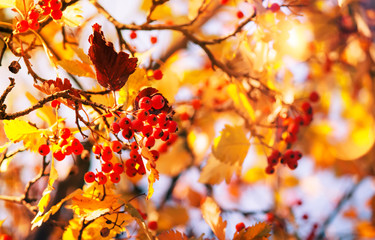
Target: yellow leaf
[
  {"x": 181, "y": 157},
  {"x": 5, "y": 163},
  {"x": 211, "y": 214},
  {"x": 135, "y": 83},
  {"x": 241, "y": 101},
  {"x": 7, "y": 3},
  {"x": 231, "y": 146},
  {"x": 172, "y": 235},
  {"x": 260, "y": 231},
  {"x": 72, "y": 15},
  {"x": 254, "y": 174},
  {"x": 39, "y": 218},
  {"x": 215, "y": 171},
  {"x": 1, "y": 222},
  {"x": 45, "y": 113},
  {"x": 152, "y": 177},
  {"x": 18, "y": 130},
  {"x": 24, "y": 5},
  {"x": 172, "y": 216},
  {"x": 365, "y": 230},
  {"x": 76, "y": 67},
  {"x": 81, "y": 54}
]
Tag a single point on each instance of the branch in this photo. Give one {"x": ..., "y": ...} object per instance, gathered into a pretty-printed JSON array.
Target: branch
[
  {"x": 7, "y": 91},
  {"x": 346, "y": 197}
]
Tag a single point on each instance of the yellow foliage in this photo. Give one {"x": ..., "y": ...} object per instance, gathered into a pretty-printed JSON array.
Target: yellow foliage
[
  {"x": 231, "y": 146},
  {"x": 45, "y": 113},
  {"x": 72, "y": 15},
  {"x": 7, "y": 3},
  {"x": 241, "y": 101},
  {"x": 260, "y": 231},
  {"x": 18, "y": 130},
  {"x": 172, "y": 235},
  {"x": 215, "y": 171},
  {"x": 254, "y": 174},
  {"x": 211, "y": 214},
  {"x": 170, "y": 217},
  {"x": 76, "y": 67}
]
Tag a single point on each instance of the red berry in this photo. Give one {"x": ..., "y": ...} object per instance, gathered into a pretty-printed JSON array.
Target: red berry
[
  {"x": 107, "y": 156},
  {"x": 55, "y": 103},
  {"x": 102, "y": 179},
  {"x": 172, "y": 126},
  {"x": 158, "y": 101},
  {"x": 145, "y": 103},
  {"x": 158, "y": 133},
  {"x": 130, "y": 163},
  {"x": 162, "y": 118},
  {"x": 107, "y": 167},
  {"x": 89, "y": 177},
  {"x": 152, "y": 120},
  {"x": 240, "y": 14},
  {"x": 143, "y": 114},
  {"x": 137, "y": 125},
  {"x": 22, "y": 26},
  {"x": 154, "y": 39},
  {"x": 289, "y": 155},
  {"x": 305, "y": 216},
  {"x": 155, "y": 154},
  {"x": 55, "y": 5},
  {"x": 58, "y": 155},
  {"x": 158, "y": 74},
  {"x": 149, "y": 142},
  {"x": 224, "y": 1},
  {"x": 33, "y": 14},
  {"x": 56, "y": 14},
  {"x": 114, "y": 177},
  {"x": 299, "y": 202},
  {"x": 152, "y": 225},
  {"x": 141, "y": 170},
  {"x": 293, "y": 128},
  {"x": 134, "y": 154},
  {"x": 65, "y": 133},
  {"x": 299, "y": 120},
  {"x": 34, "y": 24},
  {"x": 298, "y": 155},
  {"x": 67, "y": 150},
  {"x": 292, "y": 164},
  {"x": 275, "y": 7},
  {"x": 196, "y": 103},
  {"x": 306, "y": 107},
  {"x": 131, "y": 172},
  {"x": 184, "y": 116},
  {"x": 116, "y": 146},
  {"x": 134, "y": 146},
  {"x": 77, "y": 150},
  {"x": 115, "y": 127},
  {"x": 133, "y": 34},
  {"x": 75, "y": 142},
  {"x": 127, "y": 133},
  {"x": 165, "y": 136},
  {"x": 147, "y": 130},
  {"x": 314, "y": 96},
  {"x": 240, "y": 226},
  {"x": 118, "y": 168},
  {"x": 166, "y": 124},
  {"x": 96, "y": 149},
  {"x": 172, "y": 138},
  {"x": 270, "y": 169},
  {"x": 46, "y": 10},
  {"x": 43, "y": 149},
  {"x": 163, "y": 148}
]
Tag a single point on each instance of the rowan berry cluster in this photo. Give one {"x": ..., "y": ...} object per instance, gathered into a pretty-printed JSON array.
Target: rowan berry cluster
[
  {"x": 51, "y": 7},
  {"x": 136, "y": 132},
  {"x": 290, "y": 127},
  {"x": 31, "y": 21},
  {"x": 66, "y": 145}
]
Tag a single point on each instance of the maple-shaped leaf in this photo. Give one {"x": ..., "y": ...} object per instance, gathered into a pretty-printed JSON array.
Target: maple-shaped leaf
[
  {"x": 112, "y": 69},
  {"x": 172, "y": 235},
  {"x": 211, "y": 214},
  {"x": 260, "y": 231},
  {"x": 53, "y": 86}
]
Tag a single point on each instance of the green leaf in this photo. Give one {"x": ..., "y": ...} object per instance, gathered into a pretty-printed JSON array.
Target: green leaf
[{"x": 231, "y": 146}]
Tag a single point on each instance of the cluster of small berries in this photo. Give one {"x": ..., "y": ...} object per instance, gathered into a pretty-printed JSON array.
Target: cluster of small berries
[
  {"x": 51, "y": 7},
  {"x": 31, "y": 22},
  {"x": 107, "y": 167},
  {"x": 66, "y": 145},
  {"x": 290, "y": 158},
  {"x": 289, "y": 132}
]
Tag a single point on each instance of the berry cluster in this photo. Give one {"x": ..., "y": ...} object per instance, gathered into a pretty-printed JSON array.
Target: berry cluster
[
  {"x": 290, "y": 127},
  {"x": 31, "y": 22},
  {"x": 66, "y": 145},
  {"x": 51, "y": 7},
  {"x": 149, "y": 122},
  {"x": 108, "y": 169}
]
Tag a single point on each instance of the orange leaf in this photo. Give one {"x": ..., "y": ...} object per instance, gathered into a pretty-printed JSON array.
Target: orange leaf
[{"x": 211, "y": 214}]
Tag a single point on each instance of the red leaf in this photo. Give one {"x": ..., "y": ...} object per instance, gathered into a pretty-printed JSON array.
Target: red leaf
[{"x": 112, "y": 69}]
